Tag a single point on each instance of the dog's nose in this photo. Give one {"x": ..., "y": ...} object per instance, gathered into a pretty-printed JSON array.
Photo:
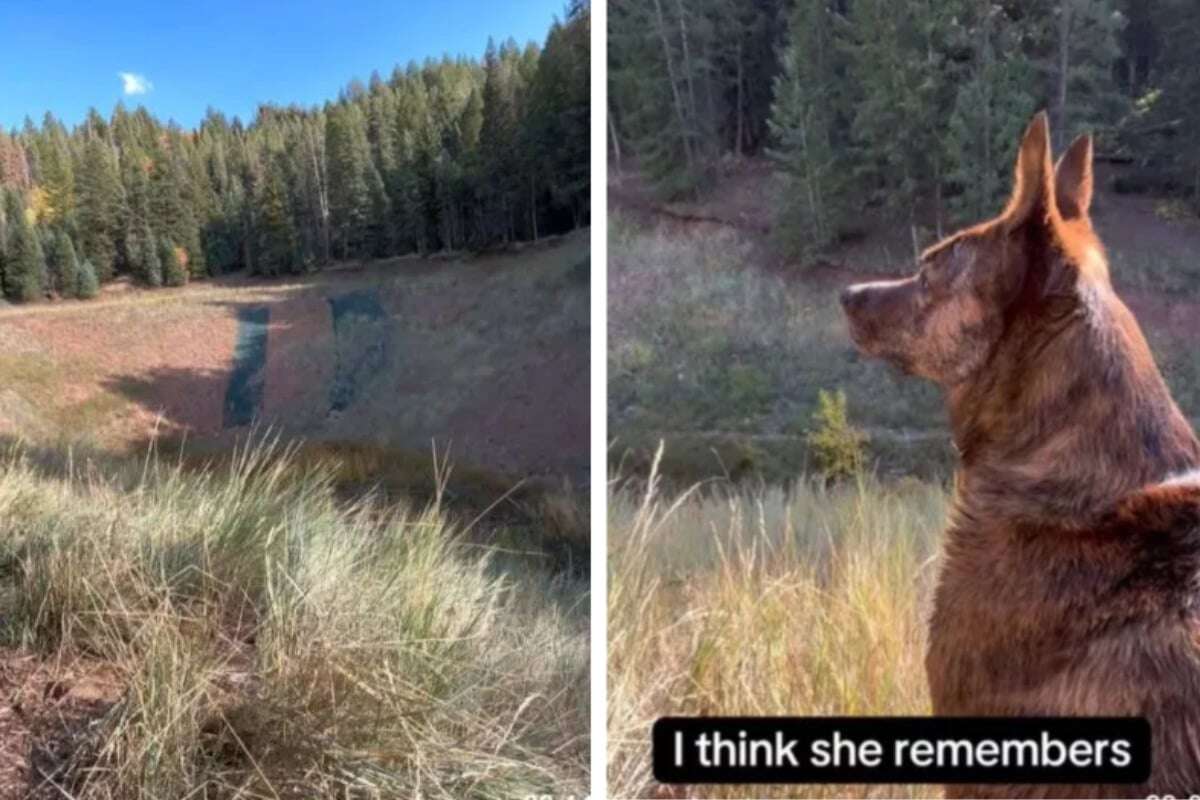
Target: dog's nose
[{"x": 850, "y": 297}]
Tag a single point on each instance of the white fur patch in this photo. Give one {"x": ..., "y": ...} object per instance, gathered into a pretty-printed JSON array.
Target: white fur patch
[{"x": 1183, "y": 478}]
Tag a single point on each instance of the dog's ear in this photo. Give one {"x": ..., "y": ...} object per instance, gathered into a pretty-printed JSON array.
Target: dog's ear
[
  {"x": 1033, "y": 187},
  {"x": 1073, "y": 179}
]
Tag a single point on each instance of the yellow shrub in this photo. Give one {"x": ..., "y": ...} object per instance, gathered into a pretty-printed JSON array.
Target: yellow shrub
[{"x": 838, "y": 447}]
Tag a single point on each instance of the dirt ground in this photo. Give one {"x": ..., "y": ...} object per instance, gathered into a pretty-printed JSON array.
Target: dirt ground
[
  {"x": 42, "y": 707},
  {"x": 486, "y": 356}
]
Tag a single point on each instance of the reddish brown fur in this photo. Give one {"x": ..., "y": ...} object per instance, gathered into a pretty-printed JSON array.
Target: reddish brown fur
[{"x": 1071, "y": 577}]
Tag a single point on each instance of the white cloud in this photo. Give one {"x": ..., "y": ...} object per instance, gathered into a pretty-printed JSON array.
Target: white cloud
[{"x": 134, "y": 83}]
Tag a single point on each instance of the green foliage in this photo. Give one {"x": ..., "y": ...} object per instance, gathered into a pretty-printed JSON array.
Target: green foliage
[
  {"x": 278, "y": 244},
  {"x": 24, "y": 261},
  {"x": 992, "y": 105},
  {"x": 804, "y": 124},
  {"x": 688, "y": 81},
  {"x": 99, "y": 199},
  {"x": 447, "y": 154},
  {"x": 173, "y": 271},
  {"x": 909, "y": 111},
  {"x": 349, "y": 191},
  {"x": 142, "y": 255},
  {"x": 838, "y": 447},
  {"x": 89, "y": 285},
  {"x": 62, "y": 264},
  {"x": 1162, "y": 132}
]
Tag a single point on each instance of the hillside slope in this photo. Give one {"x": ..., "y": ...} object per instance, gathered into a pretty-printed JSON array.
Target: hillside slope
[
  {"x": 720, "y": 342},
  {"x": 487, "y": 356}
]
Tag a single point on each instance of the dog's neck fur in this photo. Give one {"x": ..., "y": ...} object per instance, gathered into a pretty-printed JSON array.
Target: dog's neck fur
[{"x": 1035, "y": 448}]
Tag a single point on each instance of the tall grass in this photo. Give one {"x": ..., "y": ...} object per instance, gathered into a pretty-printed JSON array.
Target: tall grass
[
  {"x": 269, "y": 639},
  {"x": 799, "y": 601},
  {"x": 704, "y": 340}
]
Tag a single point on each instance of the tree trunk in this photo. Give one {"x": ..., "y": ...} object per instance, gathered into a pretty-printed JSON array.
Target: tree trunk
[
  {"x": 679, "y": 112},
  {"x": 533, "y": 206},
  {"x": 322, "y": 194},
  {"x": 740, "y": 115},
  {"x": 813, "y": 190},
  {"x": 1064, "y": 59},
  {"x": 687, "y": 62},
  {"x": 616, "y": 144}
]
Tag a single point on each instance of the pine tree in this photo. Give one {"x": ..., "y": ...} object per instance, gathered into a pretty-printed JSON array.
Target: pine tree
[
  {"x": 497, "y": 135},
  {"x": 149, "y": 265},
  {"x": 98, "y": 199},
  {"x": 89, "y": 285},
  {"x": 803, "y": 122},
  {"x": 172, "y": 201},
  {"x": 992, "y": 106},
  {"x": 449, "y": 153},
  {"x": 556, "y": 125},
  {"x": 277, "y": 236},
  {"x": 1076, "y": 44},
  {"x": 24, "y": 262},
  {"x": 62, "y": 264},
  {"x": 349, "y": 188},
  {"x": 57, "y": 171},
  {"x": 1163, "y": 130},
  {"x": 173, "y": 269}
]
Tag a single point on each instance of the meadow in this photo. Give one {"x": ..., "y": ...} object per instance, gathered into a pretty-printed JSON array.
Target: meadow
[
  {"x": 374, "y": 586},
  {"x": 781, "y": 600},
  {"x": 744, "y": 578},
  {"x": 243, "y": 631}
]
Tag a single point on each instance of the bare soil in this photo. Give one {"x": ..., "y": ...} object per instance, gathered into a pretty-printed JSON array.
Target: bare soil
[{"x": 44, "y": 707}]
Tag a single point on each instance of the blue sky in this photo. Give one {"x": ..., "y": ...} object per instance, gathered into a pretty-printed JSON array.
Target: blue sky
[{"x": 64, "y": 57}]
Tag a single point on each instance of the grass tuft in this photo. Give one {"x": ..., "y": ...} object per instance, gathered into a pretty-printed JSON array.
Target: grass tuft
[
  {"x": 803, "y": 600},
  {"x": 270, "y": 638}
]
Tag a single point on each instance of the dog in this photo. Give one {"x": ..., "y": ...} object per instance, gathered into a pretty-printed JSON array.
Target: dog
[{"x": 1070, "y": 583}]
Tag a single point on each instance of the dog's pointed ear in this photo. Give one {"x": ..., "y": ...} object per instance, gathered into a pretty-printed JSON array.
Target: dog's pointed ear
[
  {"x": 1073, "y": 179},
  {"x": 1033, "y": 183}
]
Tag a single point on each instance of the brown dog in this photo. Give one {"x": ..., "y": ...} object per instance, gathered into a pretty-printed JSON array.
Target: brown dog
[{"x": 1071, "y": 578}]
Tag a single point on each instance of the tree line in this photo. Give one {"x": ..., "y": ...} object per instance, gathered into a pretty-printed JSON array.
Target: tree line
[
  {"x": 914, "y": 108},
  {"x": 450, "y": 154}
]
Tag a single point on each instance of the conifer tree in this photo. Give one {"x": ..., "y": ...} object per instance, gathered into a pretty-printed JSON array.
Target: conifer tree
[
  {"x": 149, "y": 265},
  {"x": 277, "y": 241},
  {"x": 24, "y": 262},
  {"x": 992, "y": 105},
  {"x": 174, "y": 272},
  {"x": 62, "y": 264},
  {"x": 98, "y": 198},
  {"x": 804, "y": 120},
  {"x": 349, "y": 187},
  {"x": 89, "y": 285},
  {"x": 57, "y": 171},
  {"x": 448, "y": 153}
]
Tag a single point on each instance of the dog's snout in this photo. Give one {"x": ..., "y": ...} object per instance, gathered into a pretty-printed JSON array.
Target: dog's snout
[{"x": 851, "y": 296}]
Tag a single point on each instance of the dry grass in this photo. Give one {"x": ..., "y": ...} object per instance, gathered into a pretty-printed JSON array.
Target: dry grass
[
  {"x": 269, "y": 640},
  {"x": 804, "y": 601},
  {"x": 704, "y": 342}
]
